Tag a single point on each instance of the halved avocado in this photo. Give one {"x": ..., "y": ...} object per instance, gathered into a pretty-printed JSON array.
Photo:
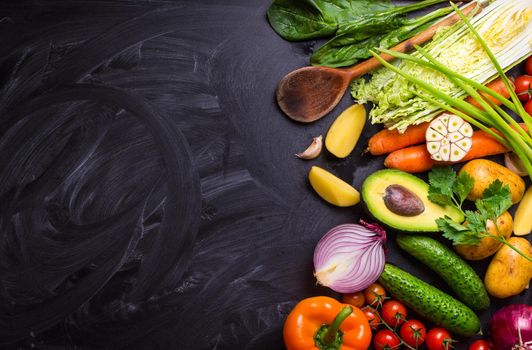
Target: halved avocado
[{"x": 373, "y": 193}]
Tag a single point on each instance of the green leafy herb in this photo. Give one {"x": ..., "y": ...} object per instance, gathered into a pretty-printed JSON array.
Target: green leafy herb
[
  {"x": 462, "y": 186},
  {"x": 441, "y": 180},
  {"x": 448, "y": 189},
  {"x": 496, "y": 199},
  {"x": 445, "y": 188},
  {"x": 456, "y": 232}
]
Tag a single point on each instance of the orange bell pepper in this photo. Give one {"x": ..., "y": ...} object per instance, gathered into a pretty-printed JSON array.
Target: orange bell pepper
[{"x": 323, "y": 323}]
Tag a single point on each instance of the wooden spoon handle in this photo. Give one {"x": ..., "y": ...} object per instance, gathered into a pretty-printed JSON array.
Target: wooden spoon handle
[{"x": 407, "y": 45}]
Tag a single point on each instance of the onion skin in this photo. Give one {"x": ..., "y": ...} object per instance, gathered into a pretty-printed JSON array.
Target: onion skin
[
  {"x": 512, "y": 162},
  {"x": 506, "y": 324},
  {"x": 350, "y": 257}
]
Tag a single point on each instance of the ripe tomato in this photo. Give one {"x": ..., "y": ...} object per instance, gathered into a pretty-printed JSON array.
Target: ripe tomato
[
  {"x": 385, "y": 340},
  {"x": 528, "y": 66},
  {"x": 373, "y": 318},
  {"x": 439, "y": 339},
  {"x": 480, "y": 344},
  {"x": 375, "y": 294},
  {"x": 528, "y": 107},
  {"x": 523, "y": 87},
  {"x": 393, "y": 313},
  {"x": 413, "y": 333},
  {"x": 355, "y": 299}
]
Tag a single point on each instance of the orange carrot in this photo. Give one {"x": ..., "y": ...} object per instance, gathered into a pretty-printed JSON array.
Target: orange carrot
[
  {"x": 498, "y": 86},
  {"x": 386, "y": 141},
  {"x": 413, "y": 159},
  {"x": 416, "y": 159}
]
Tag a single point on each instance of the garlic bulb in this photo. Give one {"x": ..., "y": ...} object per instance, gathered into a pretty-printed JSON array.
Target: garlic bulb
[{"x": 449, "y": 138}]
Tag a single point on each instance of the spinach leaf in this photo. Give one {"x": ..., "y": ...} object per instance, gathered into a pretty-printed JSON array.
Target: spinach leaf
[
  {"x": 309, "y": 19},
  {"x": 355, "y": 40},
  {"x": 371, "y": 25},
  {"x": 347, "y": 55}
]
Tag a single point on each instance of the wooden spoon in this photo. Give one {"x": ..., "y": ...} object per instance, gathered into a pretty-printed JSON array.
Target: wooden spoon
[{"x": 309, "y": 93}]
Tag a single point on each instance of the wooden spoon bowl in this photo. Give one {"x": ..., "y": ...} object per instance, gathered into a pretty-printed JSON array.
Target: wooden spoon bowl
[{"x": 309, "y": 93}]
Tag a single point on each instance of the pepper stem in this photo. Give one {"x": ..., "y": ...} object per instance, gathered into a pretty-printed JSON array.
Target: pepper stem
[{"x": 332, "y": 333}]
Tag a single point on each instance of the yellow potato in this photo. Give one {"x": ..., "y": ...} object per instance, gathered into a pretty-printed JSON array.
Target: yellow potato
[
  {"x": 344, "y": 133},
  {"x": 332, "y": 189},
  {"x": 484, "y": 172},
  {"x": 488, "y": 246},
  {"x": 509, "y": 273},
  {"x": 523, "y": 215}
]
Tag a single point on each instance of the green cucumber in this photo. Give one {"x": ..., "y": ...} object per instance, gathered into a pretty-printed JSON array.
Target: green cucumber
[
  {"x": 460, "y": 277},
  {"x": 430, "y": 302}
]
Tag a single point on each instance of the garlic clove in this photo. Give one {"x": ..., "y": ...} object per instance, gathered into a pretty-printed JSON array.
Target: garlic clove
[
  {"x": 456, "y": 153},
  {"x": 439, "y": 126},
  {"x": 445, "y": 151},
  {"x": 313, "y": 150},
  {"x": 433, "y": 147},
  {"x": 466, "y": 130},
  {"x": 433, "y": 135},
  {"x": 455, "y": 123},
  {"x": 465, "y": 144},
  {"x": 455, "y": 136}
]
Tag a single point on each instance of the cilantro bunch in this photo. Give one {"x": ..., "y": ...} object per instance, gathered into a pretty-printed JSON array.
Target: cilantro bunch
[{"x": 447, "y": 188}]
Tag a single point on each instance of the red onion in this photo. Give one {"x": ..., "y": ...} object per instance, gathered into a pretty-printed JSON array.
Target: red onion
[
  {"x": 512, "y": 162},
  {"x": 511, "y": 328},
  {"x": 350, "y": 257}
]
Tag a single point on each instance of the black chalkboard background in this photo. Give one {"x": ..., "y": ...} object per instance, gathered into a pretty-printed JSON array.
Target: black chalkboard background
[{"x": 149, "y": 193}]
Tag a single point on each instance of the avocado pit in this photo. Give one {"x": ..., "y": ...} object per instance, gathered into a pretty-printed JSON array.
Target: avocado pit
[{"x": 401, "y": 201}]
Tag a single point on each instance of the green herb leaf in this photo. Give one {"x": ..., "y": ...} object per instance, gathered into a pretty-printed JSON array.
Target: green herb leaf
[
  {"x": 438, "y": 198},
  {"x": 476, "y": 222},
  {"x": 463, "y": 185},
  {"x": 496, "y": 199},
  {"x": 442, "y": 179},
  {"x": 456, "y": 232}
]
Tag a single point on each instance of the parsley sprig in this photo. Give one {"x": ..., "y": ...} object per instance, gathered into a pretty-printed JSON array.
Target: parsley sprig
[{"x": 446, "y": 188}]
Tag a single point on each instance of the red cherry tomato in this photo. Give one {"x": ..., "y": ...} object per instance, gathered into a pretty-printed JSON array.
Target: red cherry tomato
[
  {"x": 373, "y": 318},
  {"x": 355, "y": 299},
  {"x": 375, "y": 294},
  {"x": 528, "y": 66},
  {"x": 523, "y": 87},
  {"x": 528, "y": 107},
  {"x": 439, "y": 339},
  {"x": 393, "y": 313},
  {"x": 414, "y": 333},
  {"x": 480, "y": 344},
  {"x": 385, "y": 339}
]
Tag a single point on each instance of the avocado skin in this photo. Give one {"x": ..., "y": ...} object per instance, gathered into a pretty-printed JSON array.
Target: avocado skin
[
  {"x": 458, "y": 275},
  {"x": 430, "y": 302},
  {"x": 413, "y": 224}
]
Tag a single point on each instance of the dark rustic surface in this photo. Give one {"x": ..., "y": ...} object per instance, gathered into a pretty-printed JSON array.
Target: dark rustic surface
[{"x": 149, "y": 193}]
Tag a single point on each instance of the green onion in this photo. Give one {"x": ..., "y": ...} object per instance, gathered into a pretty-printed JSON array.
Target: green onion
[
  {"x": 521, "y": 111},
  {"x": 491, "y": 116}
]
